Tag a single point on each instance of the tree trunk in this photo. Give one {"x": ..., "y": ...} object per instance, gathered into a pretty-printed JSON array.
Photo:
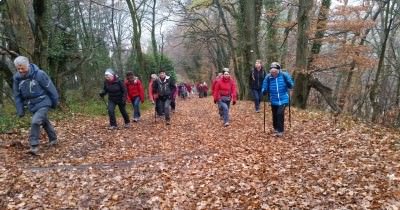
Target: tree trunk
[
  {"x": 284, "y": 55},
  {"x": 248, "y": 21},
  {"x": 344, "y": 92},
  {"x": 136, "y": 37},
  {"x": 117, "y": 42},
  {"x": 376, "y": 107},
  {"x": 301, "y": 75},
  {"x": 325, "y": 91},
  {"x": 153, "y": 32},
  {"x": 40, "y": 30},
  {"x": 230, "y": 41},
  {"x": 21, "y": 28},
  {"x": 272, "y": 51}
]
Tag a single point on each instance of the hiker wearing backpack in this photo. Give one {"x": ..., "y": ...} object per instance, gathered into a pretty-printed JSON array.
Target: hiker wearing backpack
[
  {"x": 277, "y": 84},
  {"x": 117, "y": 95},
  {"x": 224, "y": 93},
  {"x": 153, "y": 96},
  {"x": 257, "y": 76},
  {"x": 164, "y": 87},
  {"x": 34, "y": 88},
  {"x": 135, "y": 94}
]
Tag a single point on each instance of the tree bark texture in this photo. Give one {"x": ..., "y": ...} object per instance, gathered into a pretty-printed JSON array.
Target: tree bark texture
[
  {"x": 301, "y": 75},
  {"x": 137, "y": 33}
]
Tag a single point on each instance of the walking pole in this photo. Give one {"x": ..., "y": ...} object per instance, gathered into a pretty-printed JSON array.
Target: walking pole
[
  {"x": 290, "y": 114},
  {"x": 155, "y": 113},
  {"x": 264, "y": 111}
]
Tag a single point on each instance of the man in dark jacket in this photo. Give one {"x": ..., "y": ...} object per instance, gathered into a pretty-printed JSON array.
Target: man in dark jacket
[
  {"x": 117, "y": 96},
  {"x": 164, "y": 87},
  {"x": 257, "y": 76},
  {"x": 33, "y": 87}
]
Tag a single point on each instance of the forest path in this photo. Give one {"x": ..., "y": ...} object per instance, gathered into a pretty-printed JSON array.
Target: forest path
[{"x": 196, "y": 163}]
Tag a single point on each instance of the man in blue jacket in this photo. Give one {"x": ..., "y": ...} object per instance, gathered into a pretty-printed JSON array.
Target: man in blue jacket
[
  {"x": 33, "y": 87},
  {"x": 277, "y": 84}
]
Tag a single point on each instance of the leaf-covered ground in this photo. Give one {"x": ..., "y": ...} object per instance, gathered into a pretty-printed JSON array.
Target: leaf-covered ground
[{"x": 196, "y": 163}]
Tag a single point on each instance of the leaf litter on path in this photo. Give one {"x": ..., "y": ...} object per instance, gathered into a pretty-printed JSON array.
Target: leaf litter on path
[{"x": 196, "y": 163}]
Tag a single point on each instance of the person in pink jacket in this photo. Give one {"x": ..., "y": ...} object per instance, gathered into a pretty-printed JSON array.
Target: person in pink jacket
[
  {"x": 135, "y": 94},
  {"x": 224, "y": 93}
]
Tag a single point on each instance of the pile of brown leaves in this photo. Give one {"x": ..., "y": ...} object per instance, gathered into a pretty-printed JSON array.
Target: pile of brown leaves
[{"x": 196, "y": 163}]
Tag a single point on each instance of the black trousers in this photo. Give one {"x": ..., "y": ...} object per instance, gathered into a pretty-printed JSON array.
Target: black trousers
[
  {"x": 278, "y": 117},
  {"x": 111, "y": 112}
]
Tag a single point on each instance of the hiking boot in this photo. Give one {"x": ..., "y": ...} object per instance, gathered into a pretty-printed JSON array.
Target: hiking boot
[
  {"x": 33, "y": 150},
  {"x": 112, "y": 127},
  {"x": 53, "y": 142},
  {"x": 168, "y": 122},
  {"x": 127, "y": 125},
  {"x": 135, "y": 120},
  {"x": 278, "y": 134},
  {"x": 226, "y": 124}
]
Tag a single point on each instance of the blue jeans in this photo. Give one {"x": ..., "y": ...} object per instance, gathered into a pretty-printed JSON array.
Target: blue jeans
[
  {"x": 224, "y": 107},
  {"x": 257, "y": 95},
  {"x": 164, "y": 104},
  {"x": 136, "y": 107},
  {"x": 111, "y": 112},
  {"x": 39, "y": 118}
]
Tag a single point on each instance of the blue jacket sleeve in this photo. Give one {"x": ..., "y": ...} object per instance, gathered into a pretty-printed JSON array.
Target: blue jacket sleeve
[
  {"x": 264, "y": 87},
  {"x": 46, "y": 83},
  {"x": 289, "y": 80},
  {"x": 19, "y": 103}
]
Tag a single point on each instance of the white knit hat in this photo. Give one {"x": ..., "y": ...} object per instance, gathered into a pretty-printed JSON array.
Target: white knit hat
[{"x": 109, "y": 72}]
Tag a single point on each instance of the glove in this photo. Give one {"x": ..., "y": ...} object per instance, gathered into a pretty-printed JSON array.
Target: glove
[
  {"x": 234, "y": 102},
  {"x": 102, "y": 94},
  {"x": 215, "y": 101}
]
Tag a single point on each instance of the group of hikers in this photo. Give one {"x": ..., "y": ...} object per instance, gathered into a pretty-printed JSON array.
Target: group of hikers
[
  {"x": 34, "y": 88},
  {"x": 162, "y": 93}
]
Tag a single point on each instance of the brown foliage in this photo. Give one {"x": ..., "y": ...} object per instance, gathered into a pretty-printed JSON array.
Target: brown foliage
[{"x": 196, "y": 163}]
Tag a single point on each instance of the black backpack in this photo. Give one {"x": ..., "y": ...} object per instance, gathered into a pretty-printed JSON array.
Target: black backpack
[{"x": 164, "y": 88}]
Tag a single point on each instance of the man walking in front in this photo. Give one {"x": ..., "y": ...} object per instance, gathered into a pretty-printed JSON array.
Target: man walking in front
[
  {"x": 164, "y": 87},
  {"x": 33, "y": 87}
]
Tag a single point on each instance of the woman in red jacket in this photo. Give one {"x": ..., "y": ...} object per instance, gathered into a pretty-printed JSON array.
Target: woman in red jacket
[
  {"x": 135, "y": 94},
  {"x": 224, "y": 92}
]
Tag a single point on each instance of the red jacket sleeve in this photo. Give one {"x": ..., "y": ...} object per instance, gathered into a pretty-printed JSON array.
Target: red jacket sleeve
[
  {"x": 141, "y": 91},
  {"x": 233, "y": 90},
  {"x": 128, "y": 95},
  {"x": 215, "y": 91}
]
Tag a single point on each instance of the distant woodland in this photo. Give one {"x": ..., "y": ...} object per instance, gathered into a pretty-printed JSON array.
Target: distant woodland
[{"x": 343, "y": 55}]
